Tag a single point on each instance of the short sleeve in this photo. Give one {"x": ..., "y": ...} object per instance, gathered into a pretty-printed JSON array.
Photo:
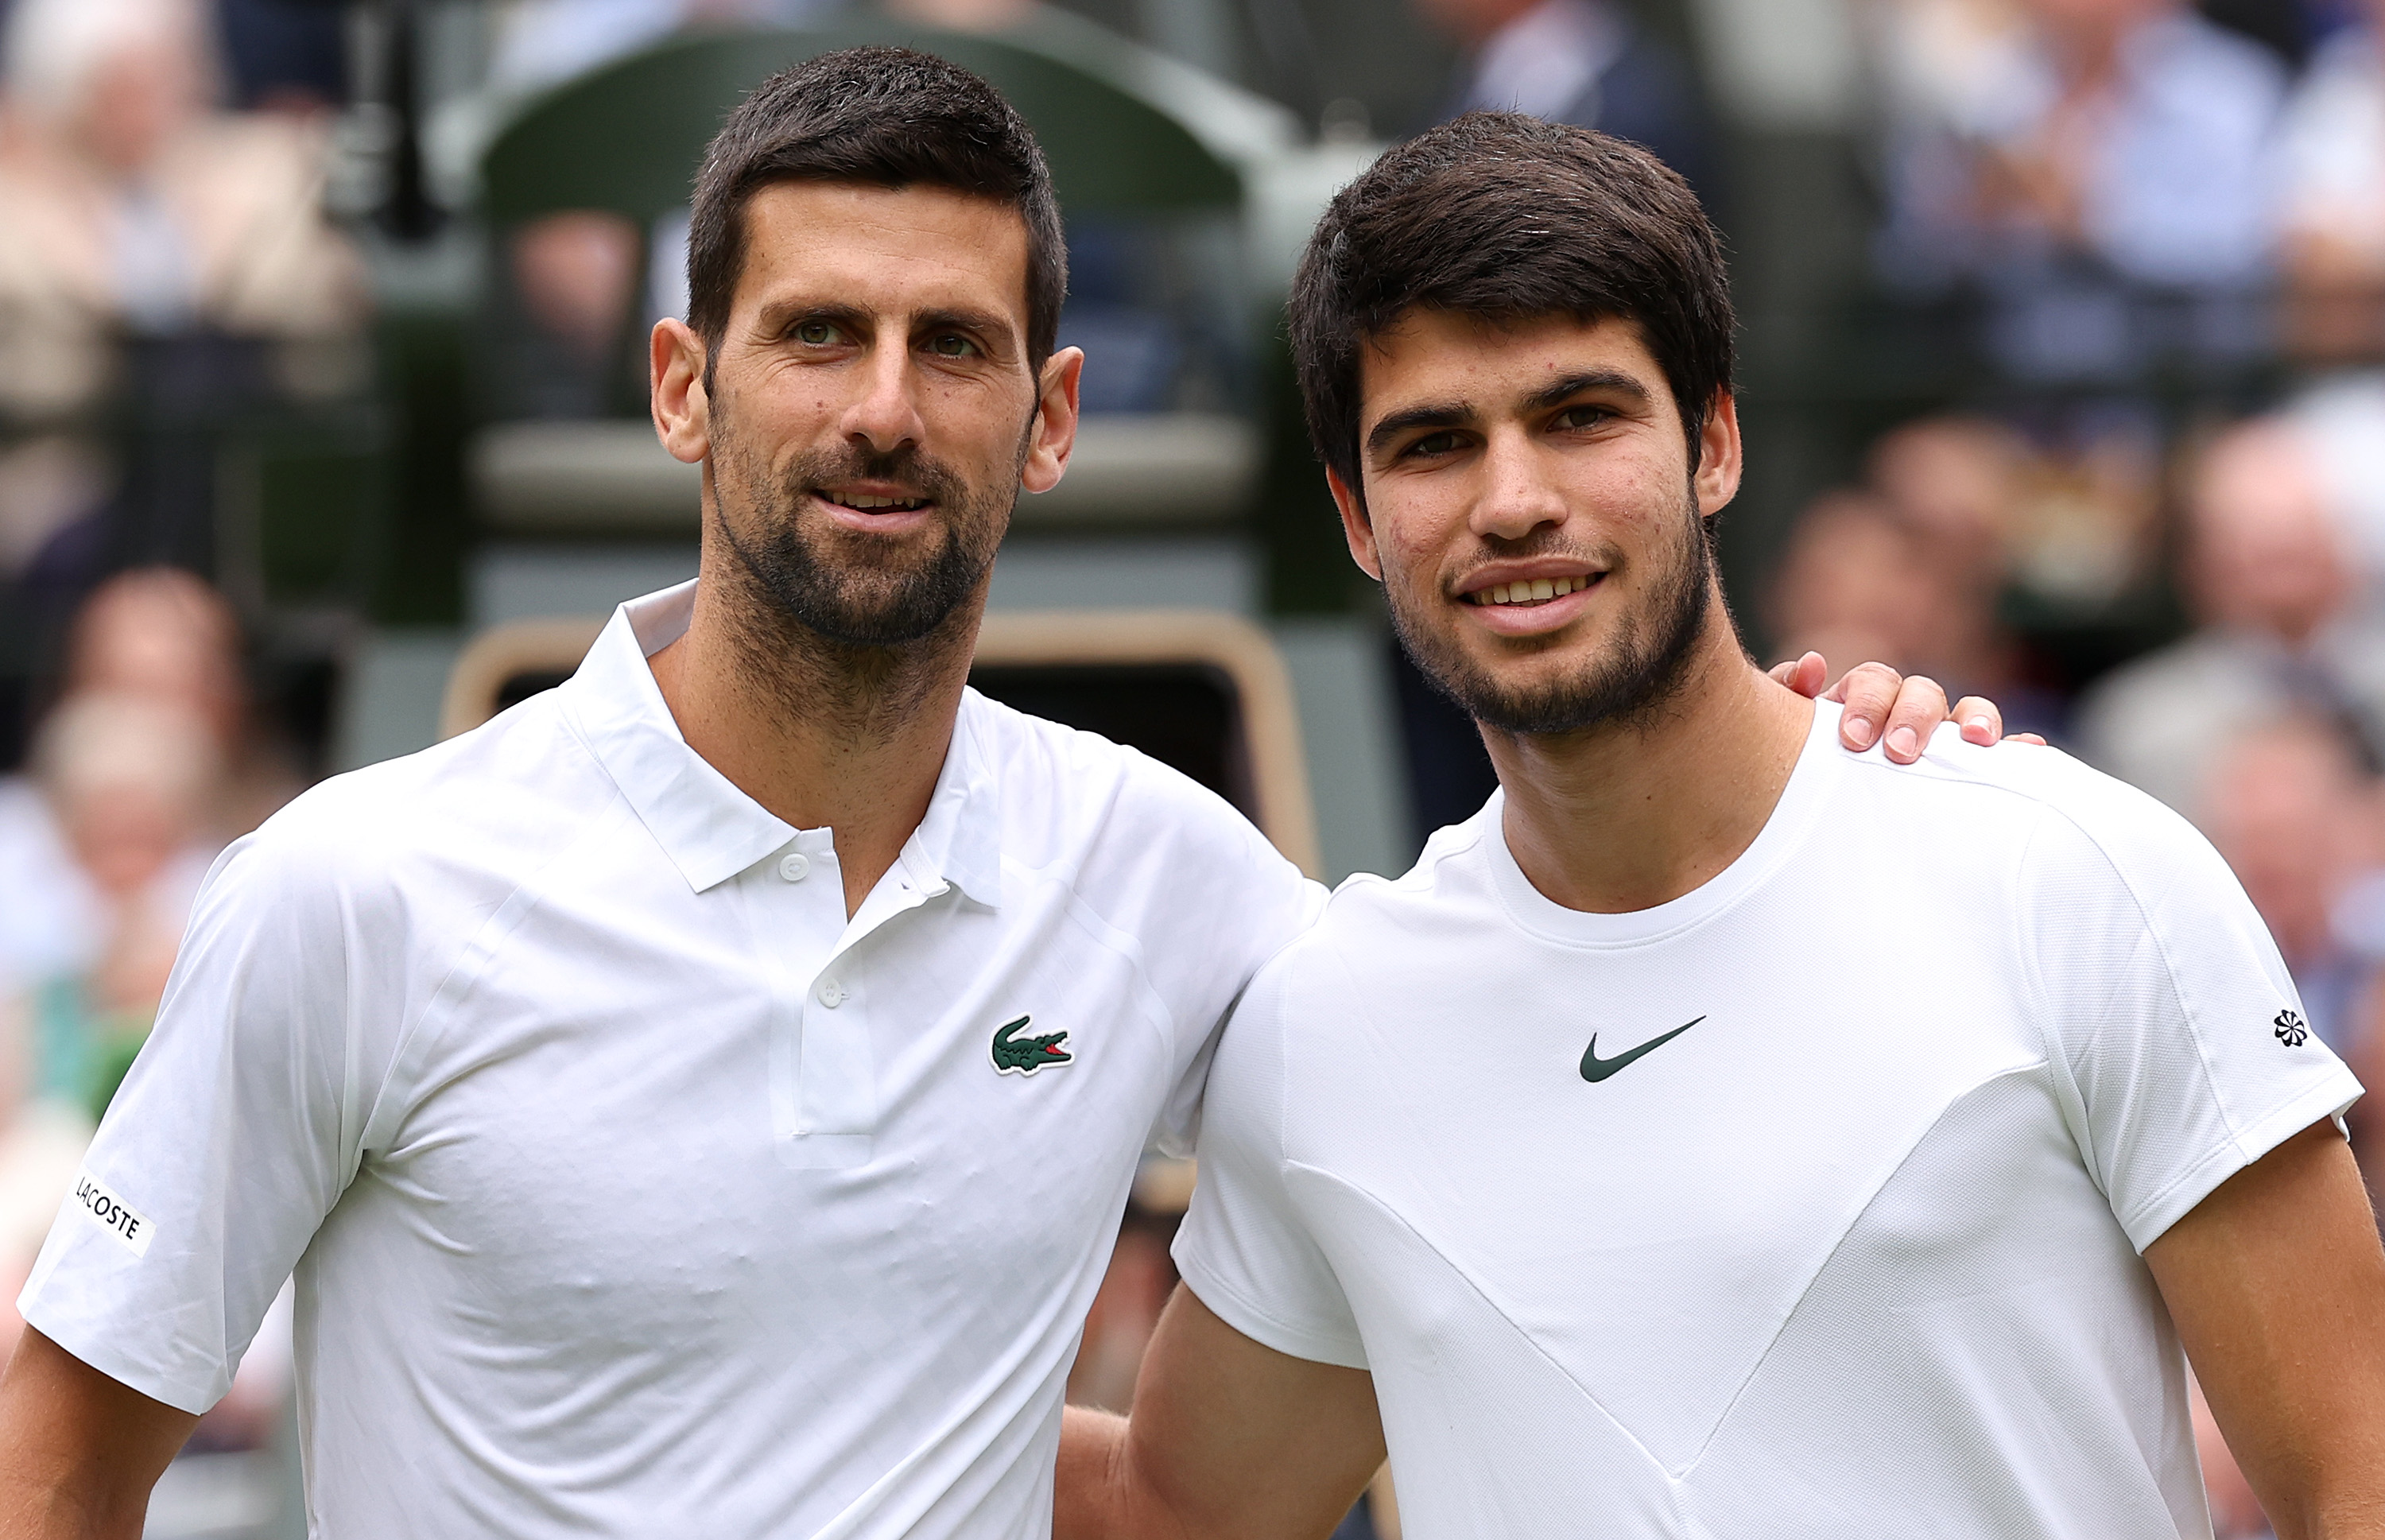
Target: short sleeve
[
  {"x": 230, "y": 1138},
  {"x": 1252, "y": 904},
  {"x": 2171, "y": 1013},
  {"x": 1246, "y": 1249}
]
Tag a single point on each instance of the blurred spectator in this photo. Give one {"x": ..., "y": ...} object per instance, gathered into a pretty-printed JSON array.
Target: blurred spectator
[
  {"x": 136, "y": 211},
  {"x": 2290, "y": 806},
  {"x": 147, "y": 765},
  {"x": 1579, "y": 61},
  {"x": 1964, "y": 487},
  {"x": 2332, "y": 213},
  {"x": 2344, "y": 416},
  {"x": 134, "y": 206},
  {"x": 2072, "y": 157},
  {"x": 1853, "y": 585},
  {"x": 165, "y": 635},
  {"x": 2268, "y": 575},
  {"x": 1954, "y": 480},
  {"x": 128, "y": 782}
]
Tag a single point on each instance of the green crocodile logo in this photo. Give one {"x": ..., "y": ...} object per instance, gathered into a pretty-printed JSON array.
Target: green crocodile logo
[{"x": 1023, "y": 1056}]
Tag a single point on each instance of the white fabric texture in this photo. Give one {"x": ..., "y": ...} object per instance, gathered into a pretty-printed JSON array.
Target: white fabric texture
[
  {"x": 1853, "y": 1249},
  {"x": 632, "y": 1189}
]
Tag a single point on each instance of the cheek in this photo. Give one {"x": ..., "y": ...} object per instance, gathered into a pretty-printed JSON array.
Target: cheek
[
  {"x": 1417, "y": 528},
  {"x": 975, "y": 423}
]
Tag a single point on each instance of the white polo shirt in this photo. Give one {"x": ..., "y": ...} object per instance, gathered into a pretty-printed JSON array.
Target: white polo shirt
[
  {"x": 1808, "y": 1203},
  {"x": 632, "y": 1188}
]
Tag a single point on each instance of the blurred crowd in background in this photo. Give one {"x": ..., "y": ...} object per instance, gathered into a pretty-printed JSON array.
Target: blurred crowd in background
[{"x": 2075, "y": 383}]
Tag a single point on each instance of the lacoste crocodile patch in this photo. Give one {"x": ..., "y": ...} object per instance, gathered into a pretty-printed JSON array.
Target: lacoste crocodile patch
[
  {"x": 1015, "y": 1055},
  {"x": 111, "y": 1213}
]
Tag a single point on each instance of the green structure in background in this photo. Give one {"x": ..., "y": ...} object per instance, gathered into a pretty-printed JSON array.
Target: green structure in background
[{"x": 1133, "y": 138}]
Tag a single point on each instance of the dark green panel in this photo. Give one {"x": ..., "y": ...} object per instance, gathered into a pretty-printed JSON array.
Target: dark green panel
[{"x": 628, "y": 137}]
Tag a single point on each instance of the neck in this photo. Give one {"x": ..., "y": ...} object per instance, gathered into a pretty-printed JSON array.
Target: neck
[
  {"x": 822, "y": 734},
  {"x": 1627, "y": 815}
]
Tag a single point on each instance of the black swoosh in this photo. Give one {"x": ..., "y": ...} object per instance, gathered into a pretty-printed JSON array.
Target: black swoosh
[{"x": 1594, "y": 1069}]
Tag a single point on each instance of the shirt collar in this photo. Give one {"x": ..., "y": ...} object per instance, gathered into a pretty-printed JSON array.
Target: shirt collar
[
  {"x": 959, "y": 841},
  {"x": 710, "y": 829}
]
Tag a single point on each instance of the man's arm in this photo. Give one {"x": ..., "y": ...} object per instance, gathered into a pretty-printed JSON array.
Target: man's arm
[
  {"x": 1230, "y": 1440},
  {"x": 2276, "y": 1283},
  {"x": 78, "y": 1452}
]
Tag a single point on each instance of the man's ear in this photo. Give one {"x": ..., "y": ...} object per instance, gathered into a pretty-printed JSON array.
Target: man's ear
[
  {"x": 1719, "y": 456},
  {"x": 1356, "y": 527},
  {"x": 682, "y": 410},
  {"x": 1053, "y": 434}
]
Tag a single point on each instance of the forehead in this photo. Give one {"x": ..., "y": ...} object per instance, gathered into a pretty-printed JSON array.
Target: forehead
[
  {"x": 883, "y": 249},
  {"x": 1431, "y": 356}
]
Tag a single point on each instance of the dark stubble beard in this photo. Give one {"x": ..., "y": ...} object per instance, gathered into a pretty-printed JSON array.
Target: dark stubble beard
[
  {"x": 1629, "y": 682},
  {"x": 834, "y": 583}
]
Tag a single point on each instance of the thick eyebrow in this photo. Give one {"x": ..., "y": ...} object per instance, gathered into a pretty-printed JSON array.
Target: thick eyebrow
[
  {"x": 1439, "y": 414},
  {"x": 777, "y": 316},
  {"x": 1611, "y": 381},
  {"x": 1457, "y": 414}
]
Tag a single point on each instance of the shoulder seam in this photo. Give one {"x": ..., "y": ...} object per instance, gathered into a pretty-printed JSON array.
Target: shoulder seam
[{"x": 472, "y": 961}]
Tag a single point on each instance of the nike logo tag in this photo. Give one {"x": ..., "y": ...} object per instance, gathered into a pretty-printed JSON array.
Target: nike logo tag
[{"x": 1594, "y": 1069}]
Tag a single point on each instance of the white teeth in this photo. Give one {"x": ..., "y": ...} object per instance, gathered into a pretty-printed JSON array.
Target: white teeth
[
  {"x": 854, "y": 500},
  {"x": 1527, "y": 591}
]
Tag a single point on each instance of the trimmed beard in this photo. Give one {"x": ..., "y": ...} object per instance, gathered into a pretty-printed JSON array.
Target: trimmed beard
[
  {"x": 856, "y": 601},
  {"x": 1629, "y": 683}
]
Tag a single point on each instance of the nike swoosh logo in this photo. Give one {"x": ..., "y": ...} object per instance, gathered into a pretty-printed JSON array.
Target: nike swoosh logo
[{"x": 1594, "y": 1069}]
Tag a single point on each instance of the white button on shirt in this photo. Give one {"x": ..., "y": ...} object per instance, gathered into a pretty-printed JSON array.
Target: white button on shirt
[{"x": 632, "y": 1187}]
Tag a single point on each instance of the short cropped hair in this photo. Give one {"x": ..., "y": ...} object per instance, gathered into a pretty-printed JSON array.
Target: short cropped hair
[
  {"x": 883, "y": 117},
  {"x": 1508, "y": 217}
]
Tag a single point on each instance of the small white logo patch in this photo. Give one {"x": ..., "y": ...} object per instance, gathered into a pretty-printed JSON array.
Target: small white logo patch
[{"x": 112, "y": 1213}]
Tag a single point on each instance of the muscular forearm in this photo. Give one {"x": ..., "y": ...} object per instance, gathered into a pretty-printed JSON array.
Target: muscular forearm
[{"x": 78, "y": 1451}]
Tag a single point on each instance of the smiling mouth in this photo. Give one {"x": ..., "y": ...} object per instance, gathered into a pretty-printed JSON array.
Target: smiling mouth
[
  {"x": 1530, "y": 591},
  {"x": 861, "y": 503}
]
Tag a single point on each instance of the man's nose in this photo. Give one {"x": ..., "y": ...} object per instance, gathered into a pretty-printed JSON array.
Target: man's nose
[
  {"x": 886, "y": 414},
  {"x": 1518, "y": 493}
]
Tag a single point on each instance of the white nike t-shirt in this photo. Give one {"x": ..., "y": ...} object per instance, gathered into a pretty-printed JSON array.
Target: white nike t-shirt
[{"x": 1807, "y": 1205}]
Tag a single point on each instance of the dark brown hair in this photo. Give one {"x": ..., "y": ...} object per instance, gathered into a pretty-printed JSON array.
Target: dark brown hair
[
  {"x": 1504, "y": 217},
  {"x": 882, "y": 117}
]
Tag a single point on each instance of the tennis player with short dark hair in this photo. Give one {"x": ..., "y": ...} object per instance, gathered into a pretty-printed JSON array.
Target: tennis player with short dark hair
[{"x": 1564, "y": 1166}]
